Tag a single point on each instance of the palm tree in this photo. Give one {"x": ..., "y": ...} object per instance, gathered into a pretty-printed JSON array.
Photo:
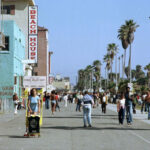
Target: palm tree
[
  {"x": 80, "y": 84},
  {"x": 127, "y": 71},
  {"x": 122, "y": 35},
  {"x": 106, "y": 59},
  {"x": 112, "y": 50},
  {"x": 147, "y": 67},
  {"x": 97, "y": 72},
  {"x": 131, "y": 28},
  {"x": 133, "y": 74},
  {"x": 88, "y": 74},
  {"x": 126, "y": 35}
]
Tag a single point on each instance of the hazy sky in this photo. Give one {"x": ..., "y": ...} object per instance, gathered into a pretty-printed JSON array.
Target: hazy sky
[{"x": 79, "y": 31}]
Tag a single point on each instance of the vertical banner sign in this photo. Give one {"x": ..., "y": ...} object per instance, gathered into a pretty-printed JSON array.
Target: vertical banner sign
[{"x": 33, "y": 33}]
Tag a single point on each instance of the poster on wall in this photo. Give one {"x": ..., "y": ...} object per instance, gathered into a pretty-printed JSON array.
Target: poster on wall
[{"x": 33, "y": 33}]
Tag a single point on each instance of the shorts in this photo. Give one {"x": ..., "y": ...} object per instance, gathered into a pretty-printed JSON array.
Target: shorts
[{"x": 53, "y": 101}]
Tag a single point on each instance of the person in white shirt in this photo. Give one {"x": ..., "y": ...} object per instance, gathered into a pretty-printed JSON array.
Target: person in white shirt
[
  {"x": 65, "y": 98},
  {"x": 121, "y": 109},
  {"x": 87, "y": 109},
  {"x": 79, "y": 101},
  {"x": 104, "y": 103}
]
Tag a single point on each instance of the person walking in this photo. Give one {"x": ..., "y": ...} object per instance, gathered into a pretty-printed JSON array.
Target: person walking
[
  {"x": 147, "y": 99},
  {"x": 128, "y": 104},
  {"x": 53, "y": 102},
  {"x": 104, "y": 103},
  {"x": 57, "y": 101},
  {"x": 87, "y": 109},
  {"x": 16, "y": 101},
  {"x": 47, "y": 99},
  {"x": 33, "y": 106},
  {"x": 65, "y": 98},
  {"x": 79, "y": 101},
  {"x": 121, "y": 109}
]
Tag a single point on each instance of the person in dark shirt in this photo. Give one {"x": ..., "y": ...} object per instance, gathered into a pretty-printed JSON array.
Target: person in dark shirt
[
  {"x": 128, "y": 104},
  {"x": 47, "y": 99}
]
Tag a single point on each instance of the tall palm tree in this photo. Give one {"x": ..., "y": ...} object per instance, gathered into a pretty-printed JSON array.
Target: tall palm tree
[
  {"x": 122, "y": 35},
  {"x": 88, "y": 74},
  {"x": 131, "y": 27},
  {"x": 106, "y": 59},
  {"x": 97, "y": 72},
  {"x": 80, "y": 84},
  {"x": 147, "y": 67},
  {"x": 112, "y": 50}
]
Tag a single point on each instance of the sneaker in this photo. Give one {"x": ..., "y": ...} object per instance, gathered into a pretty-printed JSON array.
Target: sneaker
[
  {"x": 90, "y": 125},
  {"x": 84, "y": 126},
  {"x": 26, "y": 134}
]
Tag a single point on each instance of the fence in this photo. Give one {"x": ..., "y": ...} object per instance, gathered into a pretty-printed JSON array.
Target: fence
[{"x": 6, "y": 106}]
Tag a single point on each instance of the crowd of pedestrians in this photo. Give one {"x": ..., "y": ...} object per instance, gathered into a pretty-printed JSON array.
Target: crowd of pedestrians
[{"x": 85, "y": 101}]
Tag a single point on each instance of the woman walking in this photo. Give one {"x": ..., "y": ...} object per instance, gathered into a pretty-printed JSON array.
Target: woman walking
[
  {"x": 53, "y": 102},
  {"x": 57, "y": 101},
  {"x": 147, "y": 99},
  {"x": 33, "y": 106},
  {"x": 121, "y": 109},
  {"x": 104, "y": 103},
  {"x": 16, "y": 101}
]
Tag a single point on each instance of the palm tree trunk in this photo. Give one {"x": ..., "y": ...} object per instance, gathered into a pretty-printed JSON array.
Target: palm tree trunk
[
  {"x": 122, "y": 66},
  {"x": 116, "y": 74},
  {"x": 106, "y": 78},
  {"x": 130, "y": 72},
  {"x": 124, "y": 62},
  {"x": 119, "y": 69},
  {"x": 111, "y": 75}
]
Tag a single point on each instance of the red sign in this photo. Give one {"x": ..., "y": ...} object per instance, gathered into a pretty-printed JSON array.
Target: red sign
[
  {"x": 33, "y": 47},
  {"x": 33, "y": 32},
  {"x": 33, "y": 20}
]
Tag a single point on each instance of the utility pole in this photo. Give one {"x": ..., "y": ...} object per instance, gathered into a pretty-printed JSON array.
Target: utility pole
[{"x": 100, "y": 77}]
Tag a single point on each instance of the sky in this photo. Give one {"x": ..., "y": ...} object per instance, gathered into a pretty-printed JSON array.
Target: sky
[{"x": 80, "y": 30}]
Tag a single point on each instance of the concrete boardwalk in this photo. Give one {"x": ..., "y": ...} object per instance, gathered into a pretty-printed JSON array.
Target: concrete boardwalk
[{"x": 64, "y": 131}]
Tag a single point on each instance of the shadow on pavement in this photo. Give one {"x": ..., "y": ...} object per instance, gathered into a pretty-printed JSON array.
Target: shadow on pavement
[
  {"x": 81, "y": 116},
  {"x": 13, "y": 136},
  {"x": 93, "y": 128}
]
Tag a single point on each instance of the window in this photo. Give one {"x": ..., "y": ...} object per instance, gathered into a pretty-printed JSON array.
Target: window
[
  {"x": 35, "y": 74},
  {"x": 6, "y": 44},
  {"x": 21, "y": 81},
  {"x": 15, "y": 80},
  {"x": 8, "y": 9}
]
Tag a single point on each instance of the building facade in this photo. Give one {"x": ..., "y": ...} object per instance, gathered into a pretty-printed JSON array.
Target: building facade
[
  {"x": 11, "y": 65},
  {"x": 17, "y": 10},
  {"x": 42, "y": 66}
]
